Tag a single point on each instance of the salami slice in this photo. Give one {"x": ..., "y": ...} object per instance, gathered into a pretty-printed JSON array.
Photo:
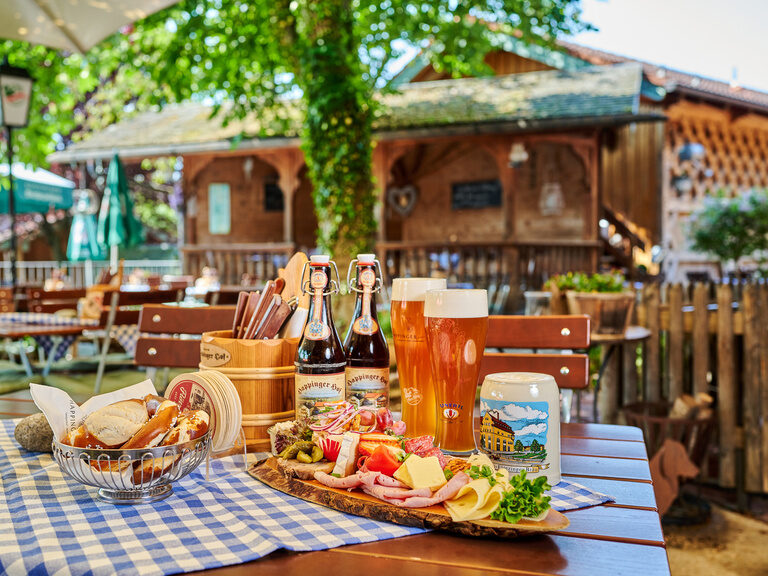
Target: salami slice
[
  {"x": 419, "y": 445},
  {"x": 436, "y": 452}
]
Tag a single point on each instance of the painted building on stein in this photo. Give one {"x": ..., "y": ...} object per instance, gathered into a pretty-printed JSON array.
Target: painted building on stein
[
  {"x": 496, "y": 435},
  {"x": 564, "y": 160}
]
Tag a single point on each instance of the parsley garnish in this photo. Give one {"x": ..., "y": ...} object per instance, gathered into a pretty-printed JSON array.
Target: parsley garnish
[
  {"x": 525, "y": 498},
  {"x": 486, "y": 471}
]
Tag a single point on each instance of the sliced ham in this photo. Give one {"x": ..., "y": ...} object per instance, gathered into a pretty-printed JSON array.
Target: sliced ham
[
  {"x": 445, "y": 493},
  {"x": 399, "y": 493},
  {"x": 385, "y": 480},
  {"x": 452, "y": 488},
  {"x": 348, "y": 482}
]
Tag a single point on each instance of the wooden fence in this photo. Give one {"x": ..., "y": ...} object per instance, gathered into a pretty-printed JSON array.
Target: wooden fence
[{"x": 712, "y": 338}]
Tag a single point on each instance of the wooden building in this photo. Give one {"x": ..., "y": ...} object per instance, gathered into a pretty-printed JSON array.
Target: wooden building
[
  {"x": 494, "y": 180},
  {"x": 561, "y": 161}
]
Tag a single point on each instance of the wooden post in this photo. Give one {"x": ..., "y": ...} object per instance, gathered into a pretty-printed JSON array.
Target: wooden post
[
  {"x": 763, "y": 300},
  {"x": 726, "y": 387},
  {"x": 700, "y": 339},
  {"x": 653, "y": 382},
  {"x": 752, "y": 396},
  {"x": 676, "y": 333},
  {"x": 381, "y": 176}
]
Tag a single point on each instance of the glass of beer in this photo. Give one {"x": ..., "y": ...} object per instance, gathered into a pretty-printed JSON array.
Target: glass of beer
[
  {"x": 457, "y": 324},
  {"x": 413, "y": 367}
]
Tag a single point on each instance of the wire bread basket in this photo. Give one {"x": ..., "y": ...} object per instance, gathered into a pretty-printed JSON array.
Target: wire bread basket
[{"x": 132, "y": 476}]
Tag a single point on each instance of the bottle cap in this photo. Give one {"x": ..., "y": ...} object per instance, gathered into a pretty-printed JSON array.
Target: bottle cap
[
  {"x": 319, "y": 259},
  {"x": 366, "y": 259}
]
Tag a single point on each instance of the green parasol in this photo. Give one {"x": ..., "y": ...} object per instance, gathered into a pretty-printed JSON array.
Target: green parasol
[
  {"x": 118, "y": 226},
  {"x": 83, "y": 244}
]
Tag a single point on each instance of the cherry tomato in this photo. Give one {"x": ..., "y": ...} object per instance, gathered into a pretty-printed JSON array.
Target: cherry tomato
[
  {"x": 367, "y": 419},
  {"x": 398, "y": 428},
  {"x": 383, "y": 419}
]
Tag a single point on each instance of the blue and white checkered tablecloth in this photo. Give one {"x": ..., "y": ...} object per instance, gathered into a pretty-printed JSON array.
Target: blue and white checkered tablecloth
[
  {"x": 126, "y": 334},
  {"x": 54, "y": 525}
]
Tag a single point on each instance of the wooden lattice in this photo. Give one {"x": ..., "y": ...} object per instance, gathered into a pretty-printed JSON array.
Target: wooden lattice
[{"x": 735, "y": 159}]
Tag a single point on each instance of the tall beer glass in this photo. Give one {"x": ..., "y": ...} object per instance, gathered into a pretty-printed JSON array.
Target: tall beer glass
[
  {"x": 413, "y": 367},
  {"x": 457, "y": 324}
]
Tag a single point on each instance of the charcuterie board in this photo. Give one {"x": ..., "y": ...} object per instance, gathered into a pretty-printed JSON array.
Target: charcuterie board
[{"x": 361, "y": 504}]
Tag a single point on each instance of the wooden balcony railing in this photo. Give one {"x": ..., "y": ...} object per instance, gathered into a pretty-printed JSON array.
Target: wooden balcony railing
[
  {"x": 506, "y": 269},
  {"x": 260, "y": 261}
]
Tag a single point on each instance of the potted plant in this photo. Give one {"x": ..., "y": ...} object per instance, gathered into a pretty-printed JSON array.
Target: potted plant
[{"x": 602, "y": 297}]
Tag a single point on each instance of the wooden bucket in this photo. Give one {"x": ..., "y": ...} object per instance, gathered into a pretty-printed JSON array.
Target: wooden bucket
[{"x": 263, "y": 374}]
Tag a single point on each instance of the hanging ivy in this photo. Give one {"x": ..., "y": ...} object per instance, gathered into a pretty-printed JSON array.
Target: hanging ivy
[{"x": 337, "y": 133}]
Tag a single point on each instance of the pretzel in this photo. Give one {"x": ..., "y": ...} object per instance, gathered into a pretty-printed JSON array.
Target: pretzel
[
  {"x": 192, "y": 424},
  {"x": 153, "y": 432}
]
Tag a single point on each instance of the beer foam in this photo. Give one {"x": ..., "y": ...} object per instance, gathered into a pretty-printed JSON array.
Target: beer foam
[
  {"x": 519, "y": 378},
  {"x": 456, "y": 303},
  {"x": 414, "y": 289}
]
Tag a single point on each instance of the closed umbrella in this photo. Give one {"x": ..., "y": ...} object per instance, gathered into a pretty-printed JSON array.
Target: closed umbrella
[
  {"x": 74, "y": 25},
  {"x": 83, "y": 244},
  {"x": 117, "y": 224}
]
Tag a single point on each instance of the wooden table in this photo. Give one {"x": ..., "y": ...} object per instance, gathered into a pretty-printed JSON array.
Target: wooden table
[
  {"x": 621, "y": 538},
  {"x": 17, "y": 330},
  {"x": 609, "y": 400}
]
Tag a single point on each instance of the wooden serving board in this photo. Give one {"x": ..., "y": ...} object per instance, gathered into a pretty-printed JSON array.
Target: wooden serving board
[{"x": 361, "y": 504}]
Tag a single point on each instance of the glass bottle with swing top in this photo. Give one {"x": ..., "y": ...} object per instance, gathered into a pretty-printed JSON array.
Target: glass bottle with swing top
[
  {"x": 367, "y": 372},
  {"x": 320, "y": 360}
]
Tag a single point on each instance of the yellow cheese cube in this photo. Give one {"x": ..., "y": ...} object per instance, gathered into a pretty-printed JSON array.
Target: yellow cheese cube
[
  {"x": 403, "y": 475},
  {"x": 424, "y": 472}
]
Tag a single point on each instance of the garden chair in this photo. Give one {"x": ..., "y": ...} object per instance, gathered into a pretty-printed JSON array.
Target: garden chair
[
  {"x": 166, "y": 331},
  {"x": 124, "y": 309}
]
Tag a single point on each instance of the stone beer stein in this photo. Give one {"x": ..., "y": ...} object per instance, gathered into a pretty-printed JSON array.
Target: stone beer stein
[{"x": 520, "y": 423}]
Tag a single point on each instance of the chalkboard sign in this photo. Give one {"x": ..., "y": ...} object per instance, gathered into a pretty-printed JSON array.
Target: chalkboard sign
[
  {"x": 473, "y": 195},
  {"x": 273, "y": 197}
]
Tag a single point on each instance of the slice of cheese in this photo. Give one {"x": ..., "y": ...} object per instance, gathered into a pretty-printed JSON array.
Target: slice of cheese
[
  {"x": 403, "y": 475},
  {"x": 345, "y": 463},
  {"x": 475, "y": 500},
  {"x": 424, "y": 472}
]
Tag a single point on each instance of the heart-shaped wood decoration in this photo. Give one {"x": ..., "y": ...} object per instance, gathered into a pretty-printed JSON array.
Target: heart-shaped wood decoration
[{"x": 402, "y": 199}]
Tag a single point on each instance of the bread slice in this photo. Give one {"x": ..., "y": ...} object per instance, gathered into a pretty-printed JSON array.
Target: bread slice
[{"x": 115, "y": 424}]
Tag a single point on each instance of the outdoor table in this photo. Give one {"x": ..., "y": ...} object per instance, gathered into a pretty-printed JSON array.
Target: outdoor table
[
  {"x": 18, "y": 330},
  {"x": 611, "y": 342},
  {"x": 624, "y": 537},
  {"x": 43, "y": 327}
]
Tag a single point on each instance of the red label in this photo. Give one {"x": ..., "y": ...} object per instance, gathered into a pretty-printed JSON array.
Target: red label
[
  {"x": 316, "y": 329},
  {"x": 189, "y": 395},
  {"x": 365, "y": 325}
]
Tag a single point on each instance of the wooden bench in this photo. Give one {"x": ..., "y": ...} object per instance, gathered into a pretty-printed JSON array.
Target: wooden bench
[
  {"x": 566, "y": 333},
  {"x": 50, "y": 301},
  {"x": 161, "y": 326},
  {"x": 125, "y": 308}
]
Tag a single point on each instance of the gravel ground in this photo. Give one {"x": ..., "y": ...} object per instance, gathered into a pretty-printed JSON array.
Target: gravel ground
[{"x": 729, "y": 544}]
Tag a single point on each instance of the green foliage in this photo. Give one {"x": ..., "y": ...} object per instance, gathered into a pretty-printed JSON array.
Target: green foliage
[
  {"x": 581, "y": 282},
  {"x": 518, "y": 445},
  {"x": 535, "y": 446},
  {"x": 731, "y": 228},
  {"x": 476, "y": 472},
  {"x": 524, "y": 499},
  {"x": 326, "y": 57},
  {"x": 156, "y": 216}
]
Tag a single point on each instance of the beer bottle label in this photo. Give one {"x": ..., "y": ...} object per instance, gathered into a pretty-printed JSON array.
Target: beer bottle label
[
  {"x": 318, "y": 393},
  {"x": 368, "y": 386},
  {"x": 365, "y": 325},
  {"x": 316, "y": 328}
]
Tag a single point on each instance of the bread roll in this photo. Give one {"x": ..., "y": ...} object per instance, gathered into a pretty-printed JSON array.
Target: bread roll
[
  {"x": 152, "y": 433},
  {"x": 115, "y": 424},
  {"x": 192, "y": 424}
]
